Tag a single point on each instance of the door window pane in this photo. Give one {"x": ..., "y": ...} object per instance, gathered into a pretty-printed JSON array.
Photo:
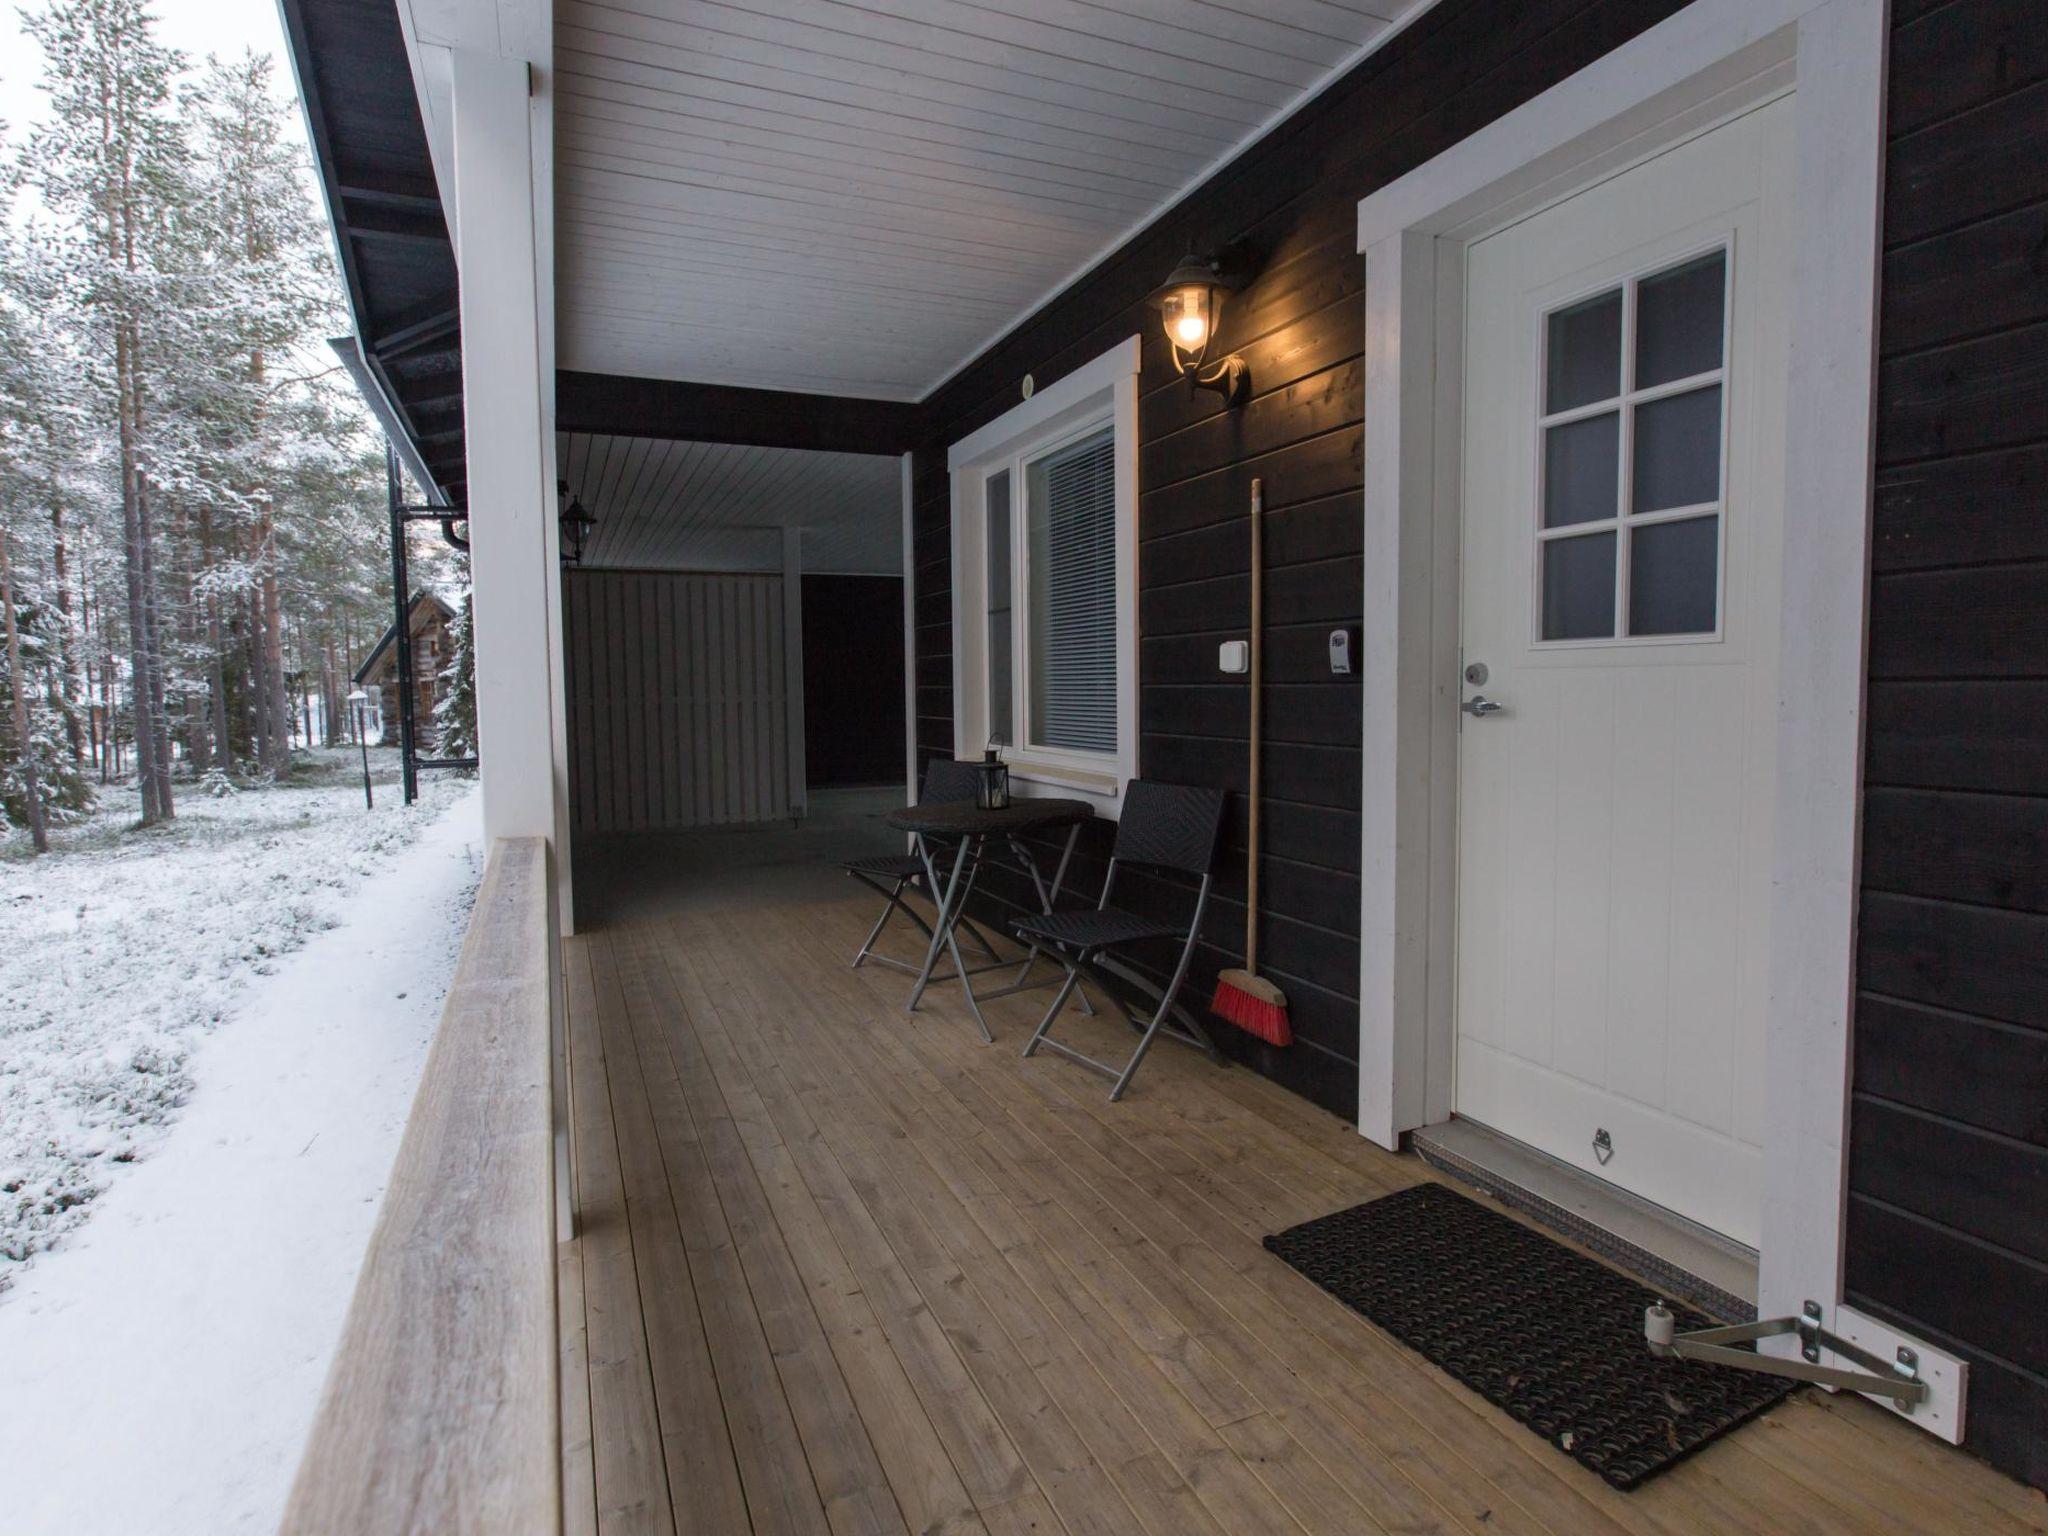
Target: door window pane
[
  {"x": 1678, "y": 321},
  {"x": 1000, "y": 620},
  {"x": 1580, "y": 464},
  {"x": 1583, "y": 349},
  {"x": 1070, "y": 524},
  {"x": 1578, "y": 587},
  {"x": 1678, "y": 450},
  {"x": 1673, "y": 577}
]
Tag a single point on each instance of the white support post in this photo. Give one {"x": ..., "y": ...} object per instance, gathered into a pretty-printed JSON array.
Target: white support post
[
  {"x": 512, "y": 527},
  {"x": 793, "y": 665},
  {"x": 503, "y": 216}
]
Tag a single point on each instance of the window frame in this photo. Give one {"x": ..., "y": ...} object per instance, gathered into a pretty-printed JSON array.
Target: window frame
[{"x": 1101, "y": 393}]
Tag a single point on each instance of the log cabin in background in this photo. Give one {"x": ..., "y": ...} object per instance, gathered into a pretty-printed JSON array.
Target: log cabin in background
[
  {"x": 1647, "y": 404},
  {"x": 429, "y": 618}
]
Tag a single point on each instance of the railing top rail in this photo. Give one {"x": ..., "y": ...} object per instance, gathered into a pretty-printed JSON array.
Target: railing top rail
[{"x": 440, "y": 1410}]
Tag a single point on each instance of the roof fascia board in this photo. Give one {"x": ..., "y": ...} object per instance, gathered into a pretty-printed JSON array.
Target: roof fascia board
[{"x": 371, "y": 385}]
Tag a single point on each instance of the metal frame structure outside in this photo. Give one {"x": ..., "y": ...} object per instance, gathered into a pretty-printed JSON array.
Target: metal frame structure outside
[{"x": 402, "y": 517}]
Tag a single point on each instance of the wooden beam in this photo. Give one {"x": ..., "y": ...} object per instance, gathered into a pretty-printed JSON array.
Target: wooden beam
[
  {"x": 440, "y": 1410},
  {"x": 416, "y": 202},
  {"x": 722, "y": 413},
  {"x": 446, "y": 322}
]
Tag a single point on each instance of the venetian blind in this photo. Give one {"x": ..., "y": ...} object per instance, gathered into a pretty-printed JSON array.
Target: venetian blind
[{"x": 1072, "y": 527}]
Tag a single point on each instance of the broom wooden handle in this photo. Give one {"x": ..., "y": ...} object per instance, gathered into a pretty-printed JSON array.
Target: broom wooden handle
[{"x": 1251, "y": 876}]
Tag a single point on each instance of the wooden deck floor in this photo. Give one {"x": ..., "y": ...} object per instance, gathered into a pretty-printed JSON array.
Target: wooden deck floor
[{"x": 846, "y": 1270}]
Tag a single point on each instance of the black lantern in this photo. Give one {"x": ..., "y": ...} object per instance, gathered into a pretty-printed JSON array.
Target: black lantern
[
  {"x": 992, "y": 779},
  {"x": 576, "y": 525},
  {"x": 1191, "y": 307}
]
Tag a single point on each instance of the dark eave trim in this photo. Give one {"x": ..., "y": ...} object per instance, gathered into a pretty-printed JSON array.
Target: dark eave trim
[
  {"x": 722, "y": 413},
  {"x": 402, "y": 216}
]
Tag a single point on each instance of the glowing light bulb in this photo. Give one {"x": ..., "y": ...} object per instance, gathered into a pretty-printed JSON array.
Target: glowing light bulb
[{"x": 1189, "y": 330}]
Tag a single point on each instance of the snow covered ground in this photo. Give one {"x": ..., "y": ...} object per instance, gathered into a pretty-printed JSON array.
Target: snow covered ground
[
  {"x": 123, "y": 947},
  {"x": 161, "y": 1364}
]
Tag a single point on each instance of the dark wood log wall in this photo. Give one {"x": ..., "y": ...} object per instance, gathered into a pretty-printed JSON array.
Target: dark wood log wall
[
  {"x": 1292, "y": 201},
  {"x": 1948, "y": 1208},
  {"x": 1949, "y": 1215}
]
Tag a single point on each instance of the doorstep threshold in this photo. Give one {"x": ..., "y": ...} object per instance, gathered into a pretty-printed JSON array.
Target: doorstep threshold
[{"x": 1680, "y": 1257}]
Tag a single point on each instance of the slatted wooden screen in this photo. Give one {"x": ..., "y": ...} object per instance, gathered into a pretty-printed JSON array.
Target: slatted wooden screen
[{"x": 677, "y": 701}]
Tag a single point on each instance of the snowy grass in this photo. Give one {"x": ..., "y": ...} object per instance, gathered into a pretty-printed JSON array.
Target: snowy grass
[{"x": 125, "y": 946}]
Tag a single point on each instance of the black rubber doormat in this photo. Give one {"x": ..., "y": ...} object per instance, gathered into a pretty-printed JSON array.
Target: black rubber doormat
[{"x": 1547, "y": 1334}]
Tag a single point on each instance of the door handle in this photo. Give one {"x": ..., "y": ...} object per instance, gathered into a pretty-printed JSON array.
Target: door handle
[{"x": 1479, "y": 706}]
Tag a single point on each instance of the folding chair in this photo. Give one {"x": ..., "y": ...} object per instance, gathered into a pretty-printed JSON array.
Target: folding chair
[
  {"x": 892, "y": 875},
  {"x": 1164, "y": 826}
]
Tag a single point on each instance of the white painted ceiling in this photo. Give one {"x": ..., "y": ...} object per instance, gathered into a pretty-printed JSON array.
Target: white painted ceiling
[
  {"x": 663, "y": 505},
  {"x": 856, "y": 196}
]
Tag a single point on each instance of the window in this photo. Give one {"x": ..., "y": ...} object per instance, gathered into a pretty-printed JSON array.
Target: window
[
  {"x": 1633, "y": 431},
  {"x": 1044, "y": 546},
  {"x": 1070, "y": 552}
]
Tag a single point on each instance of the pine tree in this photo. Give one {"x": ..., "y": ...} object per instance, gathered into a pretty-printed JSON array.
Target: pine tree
[
  {"x": 455, "y": 713},
  {"x": 26, "y": 749},
  {"x": 41, "y": 765},
  {"x": 191, "y": 492},
  {"x": 112, "y": 161},
  {"x": 269, "y": 291}
]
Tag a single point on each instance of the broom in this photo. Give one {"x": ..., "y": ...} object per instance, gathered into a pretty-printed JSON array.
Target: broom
[{"x": 1245, "y": 998}]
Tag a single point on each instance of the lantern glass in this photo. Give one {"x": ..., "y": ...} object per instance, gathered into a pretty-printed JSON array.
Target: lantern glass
[
  {"x": 1189, "y": 313},
  {"x": 576, "y": 525},
  {"x": 992, "y": 781}
]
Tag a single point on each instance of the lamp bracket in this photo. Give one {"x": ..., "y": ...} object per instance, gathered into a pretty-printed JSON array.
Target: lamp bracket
[{"x": 1231, "y": 377}]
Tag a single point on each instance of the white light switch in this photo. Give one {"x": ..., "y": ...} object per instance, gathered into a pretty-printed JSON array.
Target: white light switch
[{"x": 1234, "y": 656}]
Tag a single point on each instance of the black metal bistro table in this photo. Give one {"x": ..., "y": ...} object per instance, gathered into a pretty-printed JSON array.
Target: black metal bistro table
[{"x": 971, "y": 828}]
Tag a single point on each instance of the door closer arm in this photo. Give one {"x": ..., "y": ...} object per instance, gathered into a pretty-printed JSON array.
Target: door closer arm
[{"x": 1899, "y": 1380}]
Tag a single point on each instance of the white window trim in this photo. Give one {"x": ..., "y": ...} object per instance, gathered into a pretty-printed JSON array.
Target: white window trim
[
  {"x": 1700, "y": 67},
  {"x": 1103, "y": 391}
]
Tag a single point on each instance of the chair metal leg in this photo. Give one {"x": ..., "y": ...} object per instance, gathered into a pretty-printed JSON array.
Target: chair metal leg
[
  {"x": 867, "y": 944},
  {"x": 981, "y": 940},
  {"x": 1186, "y": 1028},
  {"x": 892, "y": 902},
  {"x": 1047, "y": 900},
  {"x": 1153, "y": 1027},
  {"x": 1059, "y": 1002}
]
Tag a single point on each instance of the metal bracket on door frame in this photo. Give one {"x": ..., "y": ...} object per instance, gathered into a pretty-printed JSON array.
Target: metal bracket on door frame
[{"x": 1898, "y": 1380}]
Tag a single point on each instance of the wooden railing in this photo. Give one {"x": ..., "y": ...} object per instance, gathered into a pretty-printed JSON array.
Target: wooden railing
[{"x": 439, "y": 1413}]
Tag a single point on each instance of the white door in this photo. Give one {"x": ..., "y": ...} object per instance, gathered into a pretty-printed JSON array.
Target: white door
[{"x": 1622, "y": 494}]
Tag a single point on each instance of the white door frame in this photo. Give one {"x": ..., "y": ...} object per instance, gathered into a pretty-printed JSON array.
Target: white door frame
[{"x": 1712, "y": 60}]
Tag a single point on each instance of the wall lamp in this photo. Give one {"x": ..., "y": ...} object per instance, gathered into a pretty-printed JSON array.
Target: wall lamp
[
  {"x": 576, "y": 524},
  {"x": 1191, "y": 306}
]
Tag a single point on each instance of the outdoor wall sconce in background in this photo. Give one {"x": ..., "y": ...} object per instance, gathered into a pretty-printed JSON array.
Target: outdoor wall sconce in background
[
  {"x": 1191, "y": 306},
  {"x": 576, "y": 525}
]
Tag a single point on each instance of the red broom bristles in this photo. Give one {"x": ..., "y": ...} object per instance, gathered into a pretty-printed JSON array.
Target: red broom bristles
[{"x": 1258, "y": 1010}]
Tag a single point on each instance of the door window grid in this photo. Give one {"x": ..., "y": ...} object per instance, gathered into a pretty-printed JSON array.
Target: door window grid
[{"x": 1571, "y": 606}]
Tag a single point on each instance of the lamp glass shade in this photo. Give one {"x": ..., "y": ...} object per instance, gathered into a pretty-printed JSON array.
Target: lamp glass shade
[
  {"x": 1189, "y": 312},
  {"x": 576, "y": 526}
]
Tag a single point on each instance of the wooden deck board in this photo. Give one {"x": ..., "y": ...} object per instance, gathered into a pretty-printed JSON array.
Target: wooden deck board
[{"x": 845, "y": 1269}]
